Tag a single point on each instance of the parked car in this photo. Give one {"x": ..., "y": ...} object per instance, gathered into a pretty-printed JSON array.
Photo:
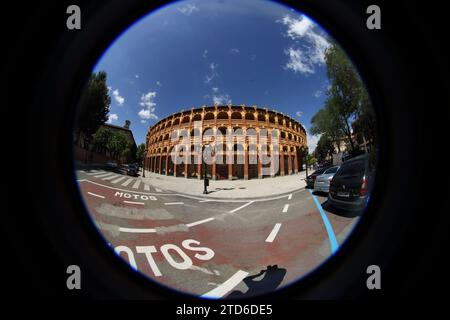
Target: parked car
[
  {"x": 322, "y": 182},
  {"x": 351, "y": 185},
  {"x": 111, "y": 164},
  {"x": 312, "y": 177},
  {"x": 132, "y": 170}
]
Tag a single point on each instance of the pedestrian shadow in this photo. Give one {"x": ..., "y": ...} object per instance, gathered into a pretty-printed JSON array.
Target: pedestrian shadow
[{"x": 273, "y": 276}]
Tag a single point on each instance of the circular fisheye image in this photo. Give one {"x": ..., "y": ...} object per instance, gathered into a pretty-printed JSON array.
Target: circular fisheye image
[{"x": 225, "y": 149}]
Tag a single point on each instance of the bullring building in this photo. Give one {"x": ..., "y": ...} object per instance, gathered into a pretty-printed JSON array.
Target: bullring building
[{"x": 233, "y": 133}]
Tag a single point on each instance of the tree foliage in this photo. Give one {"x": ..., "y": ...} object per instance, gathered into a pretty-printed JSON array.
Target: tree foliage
[
  {"x": 347, "y": 109},
  {"x": 140, "y": 153},
  {"x": 93, "y": 108}
]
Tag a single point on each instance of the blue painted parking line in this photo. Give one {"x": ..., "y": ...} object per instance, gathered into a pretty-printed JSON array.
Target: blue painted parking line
[{"x": 331, "y": 236}]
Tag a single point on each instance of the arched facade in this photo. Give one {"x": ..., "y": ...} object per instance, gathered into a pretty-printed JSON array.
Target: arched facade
[{"x": 245, "y": 123}]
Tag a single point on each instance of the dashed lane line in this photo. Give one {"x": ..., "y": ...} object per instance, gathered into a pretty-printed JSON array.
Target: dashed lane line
[
  {"x": 290, "y": 197},
  {"x": 226, "y": 287},
  {"x": 153, "y": 230},
  {"x": 96, "y": 195},
  {"x": 172, "y": 203},
  {"x": 118, "y": 180},
  {"x": 136, "y": 184},
  {"x": 199, "y": 222},
  {"x": 241, "y": 207},
  {"x": 133, "y": 202},
  {"x": 274, "y": 232},
  {"x": 126, "y": 183},
  {"x": 286, "y": 208}
]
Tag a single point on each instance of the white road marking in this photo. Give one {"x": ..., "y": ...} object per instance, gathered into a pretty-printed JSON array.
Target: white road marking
[
  {"x": 95, "y": 172},
  {"x": 205, "y": 201},
  {"x": 273, "y": 233},
  {"x": 158, "y": 190},
  {"x": 136, "y": 184},
  {"x": 136, "y": 230},
  {"x": 241, "y": 207},
  {"x": 102, "y": 175},
  {"x": 146, "y": 187},
  {"x": 118, "y": 180},
  {"x": 110, "y": 178},
  {"x": 127, "y": 182},
  {"x": 290, "y": 197},
  {"x": 133, "y": 202},
  {"x": 172, "y": 203},
  {"x": 227, "y": 286},
  {"x": 199, "y": 222},
  {"x": 96, "y": 195},
  {"x": 286, "y": 207}
]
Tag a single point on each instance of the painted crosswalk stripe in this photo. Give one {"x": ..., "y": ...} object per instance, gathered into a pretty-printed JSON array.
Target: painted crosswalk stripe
[
  {"x": 290, "y": 197},
  {"x": 158, "y": 190},
  {"x": 127, "y": 182},
  {"x": 103, "y": 175},
  {"x": 199, "y": 222},
  {"x": 111, "y": 177},
  {"x": 96, "y": 195},
  {"x": 172, "y": 203},
  {"x": 146, "y": 187},
  {"x": 136, "y": 184},
  {"x": 273, "y": 233},
  {"x": 92, "y": 172},
  {"x": 118, "y": 180},
  {"x": 286, "y": 207}
]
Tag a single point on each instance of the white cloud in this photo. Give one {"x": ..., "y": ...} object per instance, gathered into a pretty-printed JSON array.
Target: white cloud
[
  {"x": 215, "y": 89},
  {"x": 143, "y": 121},
  {"x": 116, "y": 95},
  {"x": 147, "y": 101},
  {"x": 234, "y": 51},
  {"x": 317, "y": 94},
  {"x": 312, "y": 141},
  {"x": 205, "y": 54},
  {"x": 188, "y": 9},
  {"x": 299, "y": 113},
  {"x": 311, "y": 53},
  {"x": 136, "y": 76},
  {"x": 212, "y": 73},
  {"x": 158, "y": 83},
  {"x": 112, "y": 117},
  {"x": 221, "y": 99}
]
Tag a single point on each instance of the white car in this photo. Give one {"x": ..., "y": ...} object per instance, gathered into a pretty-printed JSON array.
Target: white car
[{"x": 322, "y": 182}]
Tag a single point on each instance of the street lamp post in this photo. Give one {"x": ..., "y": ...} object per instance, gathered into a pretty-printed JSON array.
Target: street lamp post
[
  {"x": 143, "y": 164},
  {"x": 205, "y": 178}
]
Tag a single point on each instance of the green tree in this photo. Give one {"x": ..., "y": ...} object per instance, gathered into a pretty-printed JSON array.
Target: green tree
[
  {"x": 311, "y": 159},
  {"x": 140, "y": 153},
  {"x": 326, "y": 123},
  {"x": 101, "y": 138},
  {"x": 93, "y": 108},
  {"x": 324, "y": 148},
  {"x": 118, "y": 145}
]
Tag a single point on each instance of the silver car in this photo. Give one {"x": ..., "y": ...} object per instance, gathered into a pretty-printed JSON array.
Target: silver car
[{"x": 322, "y": 183}]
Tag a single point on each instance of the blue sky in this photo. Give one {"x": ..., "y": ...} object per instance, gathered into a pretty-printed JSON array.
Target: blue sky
[{"x": 193, "y": 53}]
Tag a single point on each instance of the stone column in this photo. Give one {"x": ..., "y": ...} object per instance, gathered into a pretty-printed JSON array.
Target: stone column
[
  {"x": 282, "y": 162},
  {"x": 160, "y": 159},
  {"x": 289, "y": 163},
  {"x": 230, "y": 163},
  {"x": 245, "y": 161},
  {"x": 167, "y": 164},
  {"x": 295, "y": 162}
]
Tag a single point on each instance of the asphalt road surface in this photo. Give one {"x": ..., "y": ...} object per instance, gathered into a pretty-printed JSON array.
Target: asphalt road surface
[{"x": 212, "y": 248}]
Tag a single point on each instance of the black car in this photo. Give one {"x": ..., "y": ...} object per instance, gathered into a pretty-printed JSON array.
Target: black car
[
  {"x": 132, "y": 170},
  {"x": 312, "y": 177},
  {"x": 350, "y": 186}
]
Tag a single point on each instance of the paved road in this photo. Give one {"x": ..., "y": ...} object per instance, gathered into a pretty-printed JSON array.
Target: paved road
[{"x": 212, "y": 247}]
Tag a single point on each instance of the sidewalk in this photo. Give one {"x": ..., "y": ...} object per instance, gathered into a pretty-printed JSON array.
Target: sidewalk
[{"x": 228, "y": 189}]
